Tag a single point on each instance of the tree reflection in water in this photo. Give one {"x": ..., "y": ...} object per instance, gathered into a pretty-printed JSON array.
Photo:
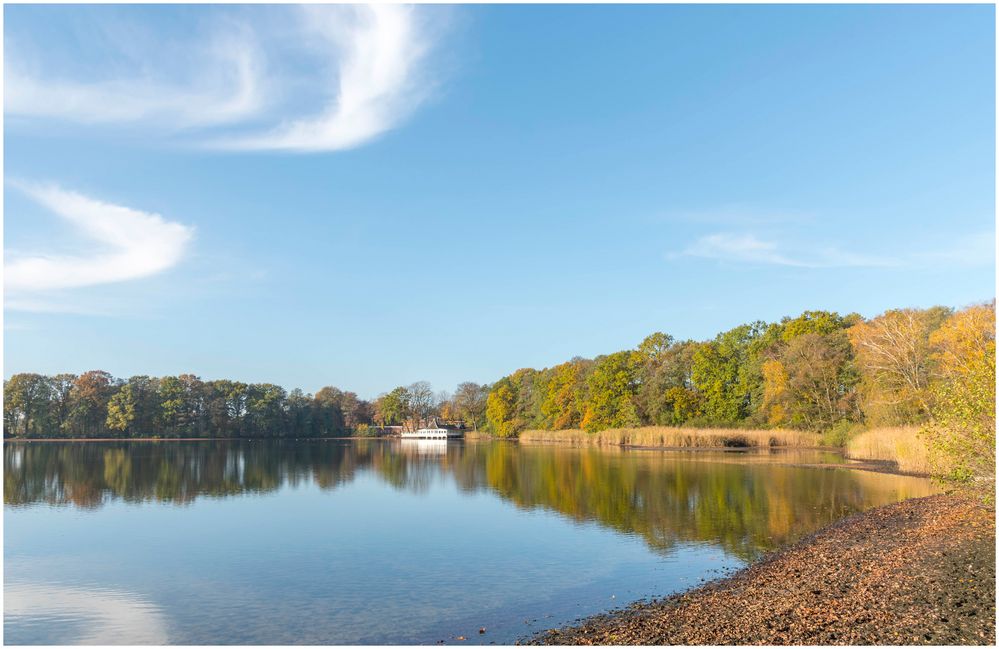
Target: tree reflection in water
[{"x": 748, "y": 504}]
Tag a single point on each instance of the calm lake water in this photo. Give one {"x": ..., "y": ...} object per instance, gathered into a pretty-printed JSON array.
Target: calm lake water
[{"x": 384, "y": 541}]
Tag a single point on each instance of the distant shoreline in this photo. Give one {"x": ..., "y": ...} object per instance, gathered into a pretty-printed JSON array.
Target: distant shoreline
[
  {"x": 33, "y": 440},
  {"x": 184, "y": 439}
]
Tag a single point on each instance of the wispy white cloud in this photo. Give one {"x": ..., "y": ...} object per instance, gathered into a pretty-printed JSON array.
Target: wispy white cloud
[
  {"x": 376, "y": 80},
  {"x": 748, "y": 248},
  {"x": 224, "y": 84},
  {"x": 126, "y": 244},
  {"x": 324, "y": 78},
  {"x": 977, "y": 249}
]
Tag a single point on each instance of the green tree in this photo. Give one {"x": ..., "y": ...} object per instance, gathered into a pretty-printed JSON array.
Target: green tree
[
  {"x": 121, "y": 409},
  {"x": 667, "y": 396},
  {"x": 962, "y": 431},
  {"x": 393, "y": 408},
  {"x": 182, "y": 411},
  {"x": 613, "y": 389},
  {"x": 299, "y": 407},
  {"x": 820, "y": 380},
  {"x": 655, "y": 346},
  {"x": 26, "y": 405},
  {"x": 722, "y": 374},
  {"x": 811, "y": 322},
  {"x": 265, "y": 410}
]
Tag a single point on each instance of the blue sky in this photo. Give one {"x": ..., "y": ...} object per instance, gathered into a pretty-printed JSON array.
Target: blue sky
[{"x": 366, "y": 198}]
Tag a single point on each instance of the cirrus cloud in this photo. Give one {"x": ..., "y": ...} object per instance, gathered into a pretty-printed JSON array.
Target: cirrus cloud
[
  {"x": 310, "y": 78},
  {"x": 376, "y": 82},
  {"x": 227, "y": 85},
  {"x": 975, "y": 249},
  {"x": 126, "y": 244},
  {"x": 748, "y": 248}
]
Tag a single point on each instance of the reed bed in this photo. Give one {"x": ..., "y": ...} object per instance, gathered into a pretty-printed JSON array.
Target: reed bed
[
  {"x": 901, "y": 445},
  {"x": 477, "y": 435},
  {"x": 669, "y": 437}
]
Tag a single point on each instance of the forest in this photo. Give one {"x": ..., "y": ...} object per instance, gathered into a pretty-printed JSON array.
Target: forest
[
  {"x": 819, "y": 371},
  {"x": 97, "y": 405}
]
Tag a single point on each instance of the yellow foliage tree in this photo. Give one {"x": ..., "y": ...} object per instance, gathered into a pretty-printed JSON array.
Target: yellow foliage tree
[
  {"x": 962, "y": 432},
  {"x": 892, "y": 352},
  {"x": 774, "y": 390}
]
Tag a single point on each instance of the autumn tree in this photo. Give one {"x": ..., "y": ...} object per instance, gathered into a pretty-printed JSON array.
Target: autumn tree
[
  {"x": 962, "y": 431},
  {"x": 470, "y": 403},
  {"x": 501, "y": 408},
  {"x": 775, "y": 358},
  {"x": 612, "y": 392},
  {"x": 820, "y": 380},
  {"x": 563, "y": 401},
  {"x": 88, "y": 405},
  {"x": 893, "y": 355},
  {"x": 422, "y": 402}
]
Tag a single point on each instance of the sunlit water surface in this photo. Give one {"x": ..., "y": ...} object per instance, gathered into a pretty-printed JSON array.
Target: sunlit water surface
[{"x": 355, "y": 542}]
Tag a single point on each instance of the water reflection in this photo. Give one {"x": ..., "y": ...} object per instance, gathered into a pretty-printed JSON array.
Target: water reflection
[
  {"x": 424, "y": 446},
  {"x": 89, "y": 616},
  {"x": 748, "y": 504}
]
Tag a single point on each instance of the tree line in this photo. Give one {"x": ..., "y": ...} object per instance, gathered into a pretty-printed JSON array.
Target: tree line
[
  {"x": 818, "y": 371},
  {"x": 97, "y": 405}
]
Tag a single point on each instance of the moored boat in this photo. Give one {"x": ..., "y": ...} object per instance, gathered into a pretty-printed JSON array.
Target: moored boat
[{"x": 433, "y": 433}]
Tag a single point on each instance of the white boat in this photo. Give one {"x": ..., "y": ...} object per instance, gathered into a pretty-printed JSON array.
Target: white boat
[{"x": 433, "y": 433}]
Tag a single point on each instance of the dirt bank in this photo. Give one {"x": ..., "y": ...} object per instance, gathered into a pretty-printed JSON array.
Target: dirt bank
[{"x": 916, "y": 572}]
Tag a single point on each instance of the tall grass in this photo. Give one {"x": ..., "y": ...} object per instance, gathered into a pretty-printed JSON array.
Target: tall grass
[
  {"x": 665, "y": 436},
  {"x": 477, "y": 435},
  {"x": 901, "y": 445}
]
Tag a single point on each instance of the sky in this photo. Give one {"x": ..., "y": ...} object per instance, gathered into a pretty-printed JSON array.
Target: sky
[{"x": 370, "y": 196}]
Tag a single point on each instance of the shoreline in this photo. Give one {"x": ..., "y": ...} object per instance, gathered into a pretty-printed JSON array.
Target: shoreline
[
  {"x": 182, "y": 439},
  {"x": 921, "y": 571}
]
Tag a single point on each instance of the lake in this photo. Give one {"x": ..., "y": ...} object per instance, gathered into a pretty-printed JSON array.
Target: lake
[{"x": 385, "y": 541}]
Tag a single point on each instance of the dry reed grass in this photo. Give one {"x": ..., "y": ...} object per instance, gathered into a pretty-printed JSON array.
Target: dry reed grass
[
  {"x": 901, "y": 445},
  {"x": 669, "y": 437}
]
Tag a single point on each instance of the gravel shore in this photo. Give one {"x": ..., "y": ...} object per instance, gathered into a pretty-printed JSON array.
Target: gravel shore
[{"x": 917, "y": 572}]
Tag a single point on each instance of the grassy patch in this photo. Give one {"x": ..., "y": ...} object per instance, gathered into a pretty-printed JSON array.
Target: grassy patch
[{"x": 901, "y": 445}]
